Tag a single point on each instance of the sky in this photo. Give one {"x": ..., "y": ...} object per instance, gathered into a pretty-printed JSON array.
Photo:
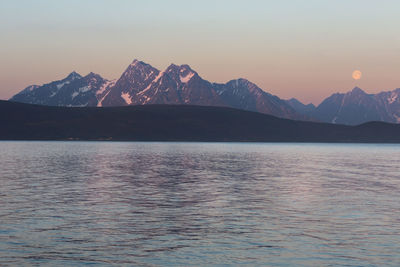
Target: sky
[{"x": 305, "y": 49}]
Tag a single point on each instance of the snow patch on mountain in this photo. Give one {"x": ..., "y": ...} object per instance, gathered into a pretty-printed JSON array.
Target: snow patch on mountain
[
  {"x": 186, "y": 78},
  {"x": 102, "y": 93},
  {"x": 392, "y": 98},
  {"x": 158, "y": 76},
  {"x": 104, "y": 87},
  {"x": 146, "y": 99},
  {"x": 100, "y": 103},
  {"x": 127, "y": 97},
  {"x": 84, "y": 89},
  {"x": 397, "y": 118},
  {"x": 60, "y": 85},
  {"x": 81, "y": 90}
]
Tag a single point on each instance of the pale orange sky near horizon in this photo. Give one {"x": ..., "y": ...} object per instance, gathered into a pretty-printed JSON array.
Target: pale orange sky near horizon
[{"x": 302, "y": 49}]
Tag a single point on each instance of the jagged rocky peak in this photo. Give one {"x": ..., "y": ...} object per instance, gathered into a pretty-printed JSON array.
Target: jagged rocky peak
[
  {"x": 300, "y": 107},
  {"x": 139, "y": 68},
  {"x": 172, "y": 68},
  {"x": 138, "y": 64},
  {"x": 73, "y": 76},
  {"x": 246, "y": 85},
  {"x": 135, "y": 62},
  {"x": 240, "y": 82},
  {"x": 30, "y": 88},
  {"x": 94, "y": 77},
  {"x": 184, "y": 73},
  {"x": 298, "y": 102},
  {"x": 357, "y": 90},
  {"x": 92, "y": 74},
  {"x": 185, "y": 70}
]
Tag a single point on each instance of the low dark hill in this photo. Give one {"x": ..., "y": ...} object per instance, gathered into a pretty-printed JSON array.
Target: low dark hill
[{"x": 175, "y": 123}]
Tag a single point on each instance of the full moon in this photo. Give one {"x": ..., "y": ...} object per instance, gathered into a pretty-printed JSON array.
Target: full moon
[{"x": 356, "y": 75}]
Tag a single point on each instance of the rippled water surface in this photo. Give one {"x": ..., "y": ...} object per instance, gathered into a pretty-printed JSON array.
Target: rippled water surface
[{"x": 158, "y": 204}]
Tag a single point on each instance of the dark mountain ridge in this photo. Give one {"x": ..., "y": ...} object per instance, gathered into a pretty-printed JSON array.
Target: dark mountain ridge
[{"x": 175, "y": 123}]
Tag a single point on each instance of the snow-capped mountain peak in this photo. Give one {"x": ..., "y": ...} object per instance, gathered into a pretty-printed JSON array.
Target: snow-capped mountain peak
[
  {"x": 139, "y": 68},
  {"x": 134, "y": 62},
  {"x": 181, "y": 74}
]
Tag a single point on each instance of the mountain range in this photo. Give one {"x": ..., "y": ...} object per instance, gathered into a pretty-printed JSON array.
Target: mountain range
[
  {"x": 142, "y": 84},
  {"x": 356, "y": 107}
]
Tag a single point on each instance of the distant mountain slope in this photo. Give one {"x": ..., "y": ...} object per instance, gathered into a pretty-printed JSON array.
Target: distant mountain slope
[
  {"x": 143, "y": 84},
  {"x": 356, "y": 107},
  {"x": 175, "y": 123},
  {"x": 74, "y": 90},
  {"x": 300, "y": 107},
  {"x": 243, "y": 94}
]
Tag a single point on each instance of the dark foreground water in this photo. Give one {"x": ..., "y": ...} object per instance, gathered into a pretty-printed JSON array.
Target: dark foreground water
[{"x": 158, "y": 204}]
